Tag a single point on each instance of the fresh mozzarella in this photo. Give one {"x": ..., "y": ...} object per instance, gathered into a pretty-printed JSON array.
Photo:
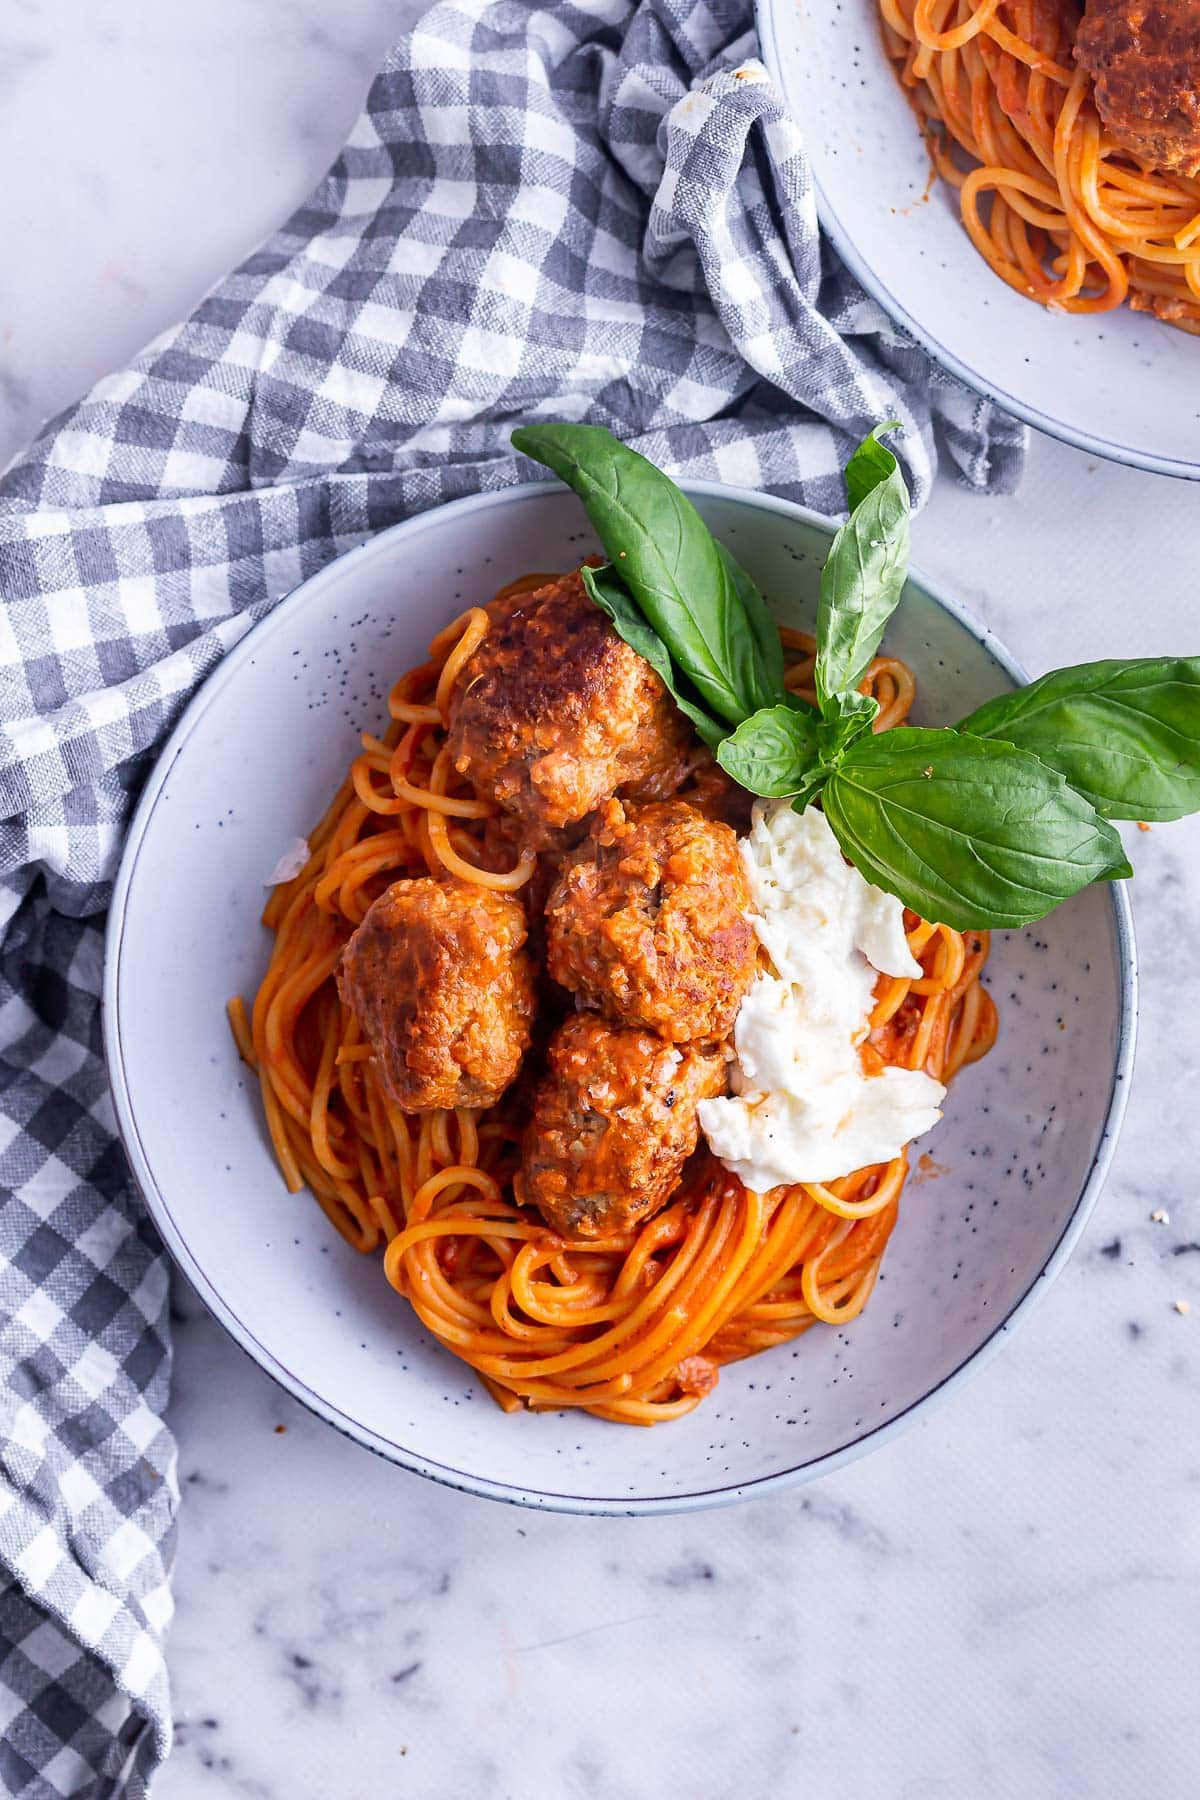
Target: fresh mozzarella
[{"x": 803, "y": 1107}]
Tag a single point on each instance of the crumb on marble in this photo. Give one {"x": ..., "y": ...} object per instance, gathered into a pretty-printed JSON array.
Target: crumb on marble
[
  {"x": 1183, "y": 1306},
  {"x": 1160, "y": 1216},
  {"x": 279, "y": 1430}
]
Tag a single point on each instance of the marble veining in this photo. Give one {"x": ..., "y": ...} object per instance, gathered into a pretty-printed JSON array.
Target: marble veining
[{"x": 1005, "y": 1601}]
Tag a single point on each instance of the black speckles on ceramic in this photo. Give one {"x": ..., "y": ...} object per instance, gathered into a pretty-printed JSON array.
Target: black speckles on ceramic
[
  {"x": 1115, "y": 383},
  {"x": 1011, "y": 1169}
]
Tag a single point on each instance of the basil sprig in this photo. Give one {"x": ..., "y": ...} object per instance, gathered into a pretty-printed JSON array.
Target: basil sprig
[{"x": 990, "y": 823}]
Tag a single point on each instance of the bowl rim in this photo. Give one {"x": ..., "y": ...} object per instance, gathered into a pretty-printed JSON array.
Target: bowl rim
[
  {"x": 306, "y": 593},
  {"x": 1127, "y": 455}
]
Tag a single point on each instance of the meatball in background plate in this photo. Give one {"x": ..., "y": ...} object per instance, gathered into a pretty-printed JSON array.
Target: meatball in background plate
[
  {"x": 443, "y": 989},
  {"x": 648, "y": 921},
  {"x": 1144, "y": 60},
  {"x": 554, "y": 712},
  {"x": 613, "y": 1122}
]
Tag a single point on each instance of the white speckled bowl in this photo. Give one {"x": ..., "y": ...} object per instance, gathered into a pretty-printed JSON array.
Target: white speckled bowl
[
  {"x": 1118, "y": 384},
  {"x": 1020, "y": 1154}
]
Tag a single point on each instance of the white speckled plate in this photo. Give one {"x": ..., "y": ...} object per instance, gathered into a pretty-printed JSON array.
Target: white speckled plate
[
  {"x": 1020, "y": 1154},
  {"x": 1119, "y": 384}
]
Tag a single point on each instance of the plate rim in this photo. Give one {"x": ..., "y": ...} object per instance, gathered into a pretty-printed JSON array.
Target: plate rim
[
  {"x": 250, "y": 645},
  {"x": 1125, "y": 455}
]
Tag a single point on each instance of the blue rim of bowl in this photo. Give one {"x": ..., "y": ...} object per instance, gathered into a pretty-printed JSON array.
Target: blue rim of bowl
[
  {"x": 1125, "y": 454},
  {"x": 462, "y": 1479}
]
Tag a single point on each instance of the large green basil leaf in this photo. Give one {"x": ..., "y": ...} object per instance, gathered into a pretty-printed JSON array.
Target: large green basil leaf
[
  {"x": 772, "y": 752},
  {"x": 763, "y": 627},
  {"x": 863, "y": 575},
  {"x": 967, "y": 831},
  {"x": 613, "y": 598},
  {"x": 691, "y": 594},
  {"x": 1126, "y": 734}
]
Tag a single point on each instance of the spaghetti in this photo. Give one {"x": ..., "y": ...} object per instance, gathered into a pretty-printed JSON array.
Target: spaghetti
[
  {"x": 1050, "y": 199},
  {"x": 634, "y": 1326}
]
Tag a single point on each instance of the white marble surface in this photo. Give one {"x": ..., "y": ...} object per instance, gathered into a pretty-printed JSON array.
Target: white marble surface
[{"x": 1004, "y": 1602}]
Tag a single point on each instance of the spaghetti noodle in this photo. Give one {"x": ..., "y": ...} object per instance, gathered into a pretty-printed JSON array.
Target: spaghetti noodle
[
  {"x": 634, "y": 1326},
  {"x": 1050, "y": 199}
]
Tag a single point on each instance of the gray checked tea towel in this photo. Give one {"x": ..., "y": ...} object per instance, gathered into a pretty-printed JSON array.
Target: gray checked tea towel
[{"x": 595, "y": 211}]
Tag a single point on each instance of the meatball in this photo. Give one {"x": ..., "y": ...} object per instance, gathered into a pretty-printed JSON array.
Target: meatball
[
  {"x": 1144, "y": 59},
  {"x": 440, "y": 982},
  {"x": 613, "y": 1122},
  {"x": 554, "y": 712},
  {"x": 648, "y": 921}
]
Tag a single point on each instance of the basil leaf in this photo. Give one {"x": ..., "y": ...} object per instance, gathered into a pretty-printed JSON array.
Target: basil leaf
[
  {"x": 967, "y": 831},
  {"x": 870, "y": 464},
  {"x": 857, "y": 713},
  {"x": 613, "y": 598},
  {"x": 690, "y": 594},
  {"x": 763, "y": 627},
  {"x": 773, "y": 751},
  {"x": 863, "y": 576},
  {"x": 1126, "y": 734}
]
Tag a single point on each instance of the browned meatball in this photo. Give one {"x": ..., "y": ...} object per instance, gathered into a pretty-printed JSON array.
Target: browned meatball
[
  {"x": 439, "y": 980},
  {"x": 648, "y": 921},
  {"x": 554, "y": 712},
  {"x": 613, "y": 1122},
  {"x": 1144, "y": 58}
]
